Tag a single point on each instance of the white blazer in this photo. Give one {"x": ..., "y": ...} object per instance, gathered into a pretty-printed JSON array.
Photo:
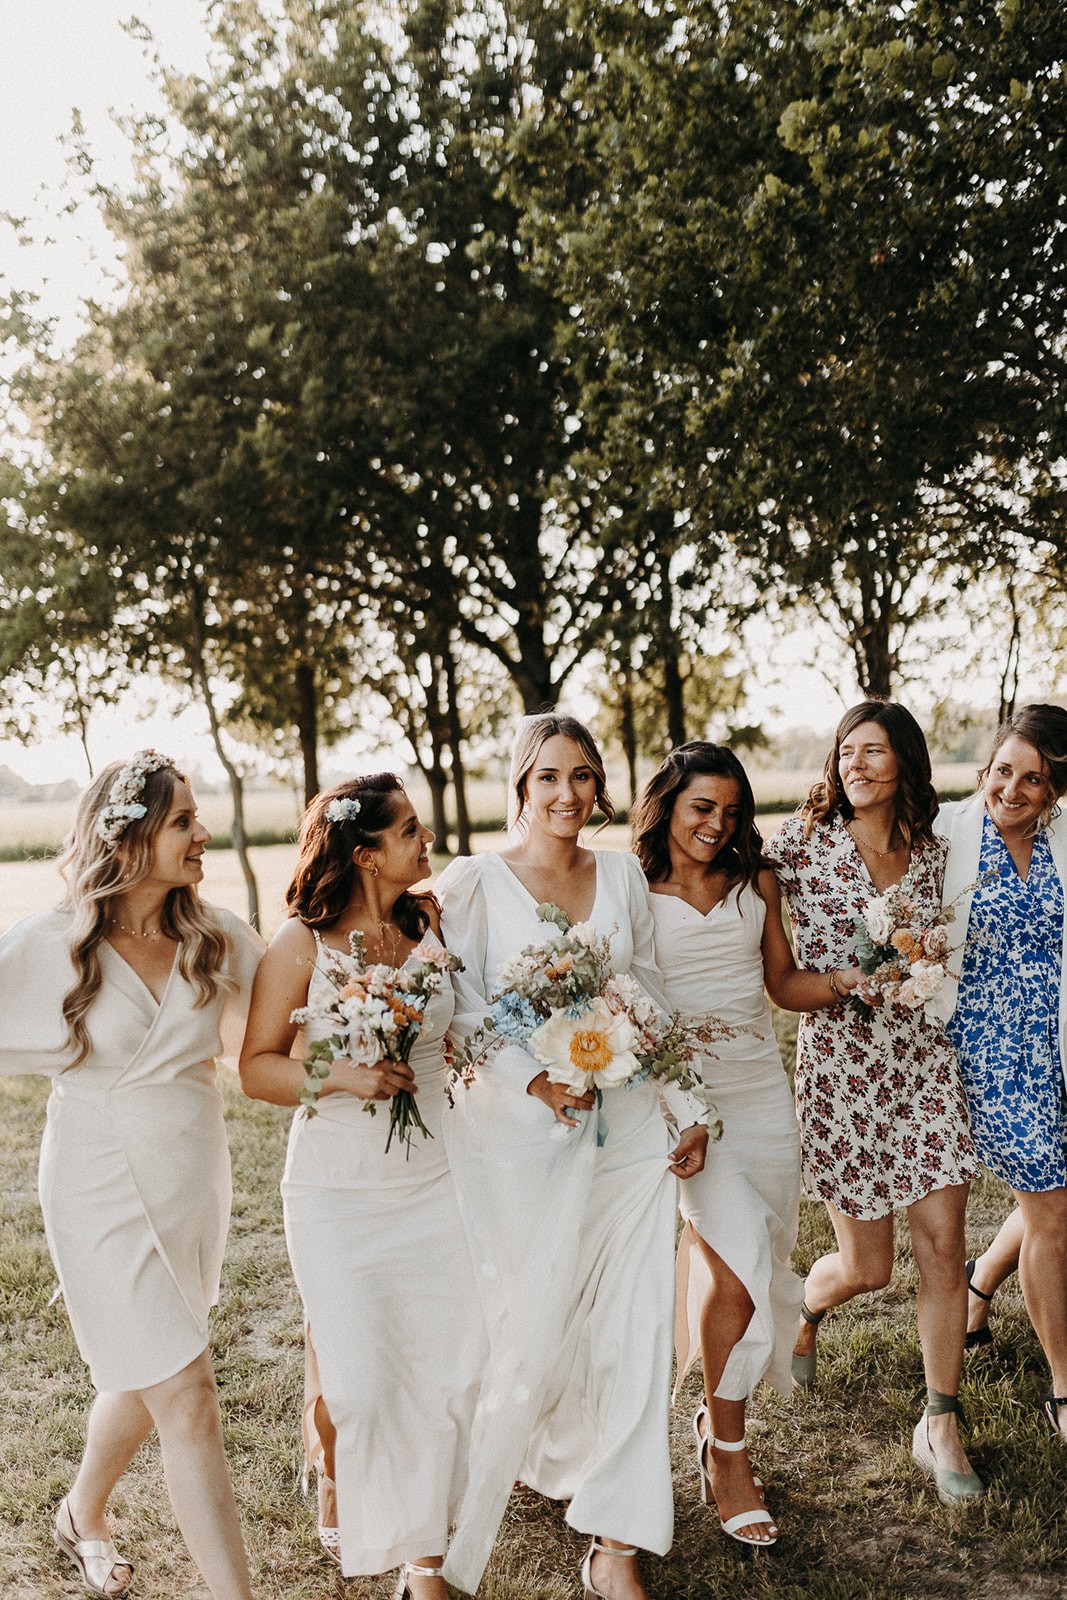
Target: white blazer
[{"x": 959, "y": 822}]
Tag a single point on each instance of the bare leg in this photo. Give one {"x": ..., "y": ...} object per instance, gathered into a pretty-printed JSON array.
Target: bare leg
[
  {"x": 725, "y": 1315},
  {"x": 997, "y": 1262},
  {"x": 118, "y": 1426},
  {"x": 185, "y": 1410},
  {"x": 936, "y": 1223},
  {"x": 862, "y": 1261},
  {"x": 1043, "y": 1278}
]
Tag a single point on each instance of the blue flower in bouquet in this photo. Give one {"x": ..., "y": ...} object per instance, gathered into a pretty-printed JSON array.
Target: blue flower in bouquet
[{"x": 513, "y": 1017}]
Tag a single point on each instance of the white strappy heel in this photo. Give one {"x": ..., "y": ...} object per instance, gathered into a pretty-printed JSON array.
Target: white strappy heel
[
  {"x": 744, "y": 1519},
  {"x": 592, "y": 1593},
  {"x": 411, "y": 1570}
]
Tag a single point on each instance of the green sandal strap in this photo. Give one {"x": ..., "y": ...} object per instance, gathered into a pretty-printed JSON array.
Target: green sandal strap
[{"x": 814, "y": 1317}]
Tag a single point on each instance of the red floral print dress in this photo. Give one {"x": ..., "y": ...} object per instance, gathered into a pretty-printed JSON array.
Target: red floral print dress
[{"x": 880, "y": 1101}]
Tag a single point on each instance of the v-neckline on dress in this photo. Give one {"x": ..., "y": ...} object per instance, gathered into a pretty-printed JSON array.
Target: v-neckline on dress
[
  {"x": 132, "y": 970},
  {"x": 1001, "y": 842},
  {"x": 517, "y": 880},
  {"x": 858, "y": 853}
]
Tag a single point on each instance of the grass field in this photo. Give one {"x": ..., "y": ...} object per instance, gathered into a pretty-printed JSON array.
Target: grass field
[
  {"x": 858, "y": 1522},
  {"x": 31, "y": 828}
]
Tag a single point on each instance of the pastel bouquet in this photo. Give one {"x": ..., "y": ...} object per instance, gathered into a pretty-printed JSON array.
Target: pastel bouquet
[
  {"x": 903, "y": 947},
  {"x": 590, "y": 1027},
  {"x": 373, "y": 1012}
]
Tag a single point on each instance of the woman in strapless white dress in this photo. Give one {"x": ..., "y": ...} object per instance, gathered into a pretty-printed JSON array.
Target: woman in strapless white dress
[
  {"x": 719, "y": 941},
  {"x": 375, "y": 1239}
]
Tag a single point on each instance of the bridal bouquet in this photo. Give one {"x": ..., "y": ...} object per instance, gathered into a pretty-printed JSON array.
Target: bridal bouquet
[
  {"x": 903, "y": 949},
  {"x": 373, "y": 1012},
  {"x": 590, "y": 1027}
]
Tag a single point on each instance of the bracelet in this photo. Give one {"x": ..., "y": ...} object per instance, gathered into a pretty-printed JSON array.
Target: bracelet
[{"x": 831, "y": 978}]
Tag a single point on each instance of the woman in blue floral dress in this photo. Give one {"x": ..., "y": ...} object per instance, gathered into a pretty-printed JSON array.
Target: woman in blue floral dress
[
  {"x": 883, "y": 1117},
  {"x": 1007, "y": 865}
]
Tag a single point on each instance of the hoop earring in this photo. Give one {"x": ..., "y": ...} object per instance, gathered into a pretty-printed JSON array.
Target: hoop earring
[{"x": 373, "y": 870}]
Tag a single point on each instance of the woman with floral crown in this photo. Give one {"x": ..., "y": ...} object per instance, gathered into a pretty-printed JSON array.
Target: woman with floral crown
[
  {"x": 124, "y": 996},
  {"x": 883, "y": 1117},
  {"x": 374, "y": 1236},
  {"x": 569, "y": 1205}
]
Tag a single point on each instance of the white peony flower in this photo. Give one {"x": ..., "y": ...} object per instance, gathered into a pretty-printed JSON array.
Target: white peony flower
[{"x": 593, "y": 1050}]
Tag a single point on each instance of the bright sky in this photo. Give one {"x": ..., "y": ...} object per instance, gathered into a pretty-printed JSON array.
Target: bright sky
[{"x": 58, "y": 56}]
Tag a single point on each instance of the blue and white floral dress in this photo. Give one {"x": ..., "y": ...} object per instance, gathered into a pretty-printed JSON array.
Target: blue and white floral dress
[{"x": 1005, "y": 1023}]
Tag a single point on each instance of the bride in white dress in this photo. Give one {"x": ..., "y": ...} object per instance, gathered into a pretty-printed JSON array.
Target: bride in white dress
[
  {"x": 719, "y": 941},
  {"x": 377, "y": 1247},
  {"x": 572, "y": 1239}
]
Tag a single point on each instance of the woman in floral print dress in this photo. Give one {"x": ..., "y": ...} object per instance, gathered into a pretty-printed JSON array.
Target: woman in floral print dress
[{"x": 883, "y": 1117}]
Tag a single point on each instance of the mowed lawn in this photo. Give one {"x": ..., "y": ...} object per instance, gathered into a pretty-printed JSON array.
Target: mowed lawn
[{"x": 858, "y": 1522}]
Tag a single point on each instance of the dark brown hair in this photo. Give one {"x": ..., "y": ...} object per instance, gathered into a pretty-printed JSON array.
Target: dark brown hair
[
  {"x": 1045, "y": 727},
  {"x": 326, "y": 875},
  {"x": 916, "y": 796},
  {"x": 741, "y": 858}
]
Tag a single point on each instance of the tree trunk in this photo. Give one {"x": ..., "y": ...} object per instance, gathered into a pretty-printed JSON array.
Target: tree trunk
[
  {"x": 236, "y": 782},
  {"x": 455, "y": 748},
  {"x": 307, "y": 727},
  {"x": 1009, "y": 678},
  {"x": 627, "y": 728}
]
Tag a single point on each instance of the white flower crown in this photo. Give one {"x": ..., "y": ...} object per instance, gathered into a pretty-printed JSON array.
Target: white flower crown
[
  {"x": 343, "y": 810},
  {"x": 124, "y": 804}
]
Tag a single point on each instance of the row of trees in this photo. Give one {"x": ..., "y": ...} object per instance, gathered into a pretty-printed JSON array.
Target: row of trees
[{"x": 466, "y": 345}]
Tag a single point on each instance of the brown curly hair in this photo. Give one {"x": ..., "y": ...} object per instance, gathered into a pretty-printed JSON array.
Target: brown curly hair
[
  {"x": 326, "y": 876},
  {"x": 917, "y": 804},
  {"x": 741, "y": 857}
]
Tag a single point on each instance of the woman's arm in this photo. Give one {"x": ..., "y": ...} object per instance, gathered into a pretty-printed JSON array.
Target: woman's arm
[
  {"x": 789, "y": 986},
  {"x": 268, "y": 1071}
]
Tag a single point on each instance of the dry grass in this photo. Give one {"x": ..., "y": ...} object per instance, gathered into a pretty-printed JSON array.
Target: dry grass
[{"x": 857, "y": 1520}]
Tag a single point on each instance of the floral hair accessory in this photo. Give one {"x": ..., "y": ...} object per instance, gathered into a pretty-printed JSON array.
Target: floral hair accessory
[
  {"x": 343, "y": 810},
  {"x": 124, "y": 803}
]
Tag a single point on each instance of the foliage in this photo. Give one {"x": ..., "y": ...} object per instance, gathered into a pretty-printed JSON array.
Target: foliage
[{"x": 818, "y": 249}]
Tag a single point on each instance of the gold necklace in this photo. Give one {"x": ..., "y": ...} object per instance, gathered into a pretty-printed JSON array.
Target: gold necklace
[
  {"x": 863, "y": 844},
  {"x": 122, "y": 927}
]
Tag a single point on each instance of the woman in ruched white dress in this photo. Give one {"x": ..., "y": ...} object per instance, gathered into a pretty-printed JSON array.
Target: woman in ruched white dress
[
  {"x": 123, "y": 996},
  {"x": 378, "y": 1251},
  {"x": 719, "y": 939},
  {"x": 572, "y": 1236}
]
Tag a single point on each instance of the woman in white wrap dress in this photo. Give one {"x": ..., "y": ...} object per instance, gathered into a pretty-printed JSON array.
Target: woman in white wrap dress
[
  {"x": 719, "y": 939},
  {"x": 572, "y": 1238},
  {"x": 377, "y": 1247},
  {"x": 123, "y": 996}
]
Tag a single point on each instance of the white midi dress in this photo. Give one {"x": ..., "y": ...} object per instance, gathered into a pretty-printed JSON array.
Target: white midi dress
[
  {"x": 134, "y": 1177},
  {"x": 382, "y": 1264},
  {"x": 746, "y": 1201},
  {"x": 572, "y": 1243}
]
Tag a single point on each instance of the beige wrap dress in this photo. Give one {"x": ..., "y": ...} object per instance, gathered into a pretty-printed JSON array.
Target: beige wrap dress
[{"x": 134, "y": 1178}]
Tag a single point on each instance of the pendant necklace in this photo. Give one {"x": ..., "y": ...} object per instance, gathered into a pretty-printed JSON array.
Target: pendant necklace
[{"x": 881, "y": 854}]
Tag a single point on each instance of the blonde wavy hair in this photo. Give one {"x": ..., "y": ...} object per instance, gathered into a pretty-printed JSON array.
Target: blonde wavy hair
[{"x": 96, "y": 872}]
